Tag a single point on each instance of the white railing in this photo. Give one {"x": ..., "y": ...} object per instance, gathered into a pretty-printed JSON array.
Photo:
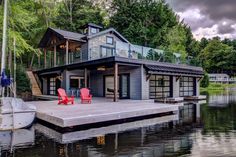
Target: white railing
[{"x": 222, "y": 80}]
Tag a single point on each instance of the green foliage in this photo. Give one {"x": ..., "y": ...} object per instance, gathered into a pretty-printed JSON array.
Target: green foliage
[
  {"x": 143, "y": 22},
  {"x": 153, "y": 55},
  {"x": 22, "y": 81},
  {"x": 205, "y": 81},
  {"x": 76, "y": 13},
  {"x": 218, "y": 57},
  {"x": 175, "y": 41}
]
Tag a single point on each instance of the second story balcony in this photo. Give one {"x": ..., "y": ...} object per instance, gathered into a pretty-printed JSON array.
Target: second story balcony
[{"x": 63, "y": 48}]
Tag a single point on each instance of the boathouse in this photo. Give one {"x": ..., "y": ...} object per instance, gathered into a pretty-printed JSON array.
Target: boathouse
[{"x": 110, "y": 66}]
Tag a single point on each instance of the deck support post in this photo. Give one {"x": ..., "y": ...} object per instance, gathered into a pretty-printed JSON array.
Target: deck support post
[
  {"x": 45, "y": 57},
  {"x": 67, "y": 52},
  {"x": 55, "y": 55},
  {"x": 115, "y": 82},
  {"x": 85, "y": 77}
]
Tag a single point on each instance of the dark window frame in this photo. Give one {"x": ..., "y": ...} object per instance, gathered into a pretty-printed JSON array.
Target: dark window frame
[
  {"x": 107, "y": 47},
  {"x": 185, "y": 82},
  {"x": 92, "y": 28},
  {"x": 81, "y": 77},
  {"x": 112, "y": 39},
  {"x": 156, "y": 84}
]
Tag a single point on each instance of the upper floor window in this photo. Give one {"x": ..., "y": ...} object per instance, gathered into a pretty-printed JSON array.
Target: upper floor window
[
  {"x": 93, "y": 30},
  {"x": 110, "y": 40},
  {"x": 106, "y": 51}
]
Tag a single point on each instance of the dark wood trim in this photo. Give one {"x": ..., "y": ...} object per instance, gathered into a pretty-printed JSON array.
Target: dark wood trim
[
  {"x": 85, "y": 77},
  {"x": 67, "y": 52},
  {"x": 55, "y": 55},
  {"x": 148, "y": 77},
  {"x": 45, "y": 57},
  {"x": 116, "y": 71}
]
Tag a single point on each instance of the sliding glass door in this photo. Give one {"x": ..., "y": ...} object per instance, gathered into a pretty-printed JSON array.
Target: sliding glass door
[{"x": 123, "y": 86}]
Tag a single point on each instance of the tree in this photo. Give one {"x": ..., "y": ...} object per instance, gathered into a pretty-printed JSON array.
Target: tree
[
  {"x": 217, "y": 57},
  {"x": 205, "y": 81},
  {"x": 175, "y": 41},
  {"x": 72, "y": 14},
  {"x": 143, "y": 22}
]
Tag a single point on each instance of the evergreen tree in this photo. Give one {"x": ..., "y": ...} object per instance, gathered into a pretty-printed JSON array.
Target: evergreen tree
[{"x": 72, "y": 14}]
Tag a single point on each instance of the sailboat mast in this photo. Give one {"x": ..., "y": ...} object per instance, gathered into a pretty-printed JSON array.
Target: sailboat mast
[{"x": 4, "y": 38}]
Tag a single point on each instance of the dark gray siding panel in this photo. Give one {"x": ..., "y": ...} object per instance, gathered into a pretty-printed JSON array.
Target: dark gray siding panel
[{"x": 96, "y": 83}]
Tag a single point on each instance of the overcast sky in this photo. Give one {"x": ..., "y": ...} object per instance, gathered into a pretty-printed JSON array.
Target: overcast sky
[{"x": 208, "y": 18}]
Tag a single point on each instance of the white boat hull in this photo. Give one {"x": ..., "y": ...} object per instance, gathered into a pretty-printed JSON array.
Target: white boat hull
[
  {"x": 21, "y": 120},
  {"x": 15, "y": 113}
]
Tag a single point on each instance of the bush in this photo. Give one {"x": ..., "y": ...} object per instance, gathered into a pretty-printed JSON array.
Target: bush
[
  {"x": 205, "y": 81},
  {"x": 22, "y": 81}
]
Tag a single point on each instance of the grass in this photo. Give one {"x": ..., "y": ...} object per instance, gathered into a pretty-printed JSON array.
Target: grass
[{"x": 218, "y": 87}]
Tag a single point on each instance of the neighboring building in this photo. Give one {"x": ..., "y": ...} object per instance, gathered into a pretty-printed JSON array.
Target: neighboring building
[
  {"x": 215, "y": 77},
  {"x": 108, "y": 64}
]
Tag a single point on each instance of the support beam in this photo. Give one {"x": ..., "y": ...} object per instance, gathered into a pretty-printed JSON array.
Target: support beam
[
  {"x": 148, "y": 77},
  {"x": 177, "y": 78},
  {"x": 85, "y": 77},
  {"x": 67, "y": 52},
  {"x": 55, "y": 55},
  {"x": 45, "y": 57},
  {"x": 115, "y": 82}
]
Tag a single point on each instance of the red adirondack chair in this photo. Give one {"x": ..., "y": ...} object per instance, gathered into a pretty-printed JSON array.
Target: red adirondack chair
[
  {"x": 63, "y": 98},
  {"x": 85, "y": 96}
]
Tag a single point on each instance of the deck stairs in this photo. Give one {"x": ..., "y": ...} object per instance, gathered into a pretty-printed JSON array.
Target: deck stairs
[{"x": 34, "y": 84}]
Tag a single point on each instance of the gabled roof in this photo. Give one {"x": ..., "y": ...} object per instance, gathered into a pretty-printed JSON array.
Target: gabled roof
[
  {"x": 107, "y": 31},
  {"x": 61, "y": 34}
]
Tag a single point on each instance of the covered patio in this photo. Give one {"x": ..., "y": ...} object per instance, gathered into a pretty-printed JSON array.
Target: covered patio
[{"x": 61, "y": 47}]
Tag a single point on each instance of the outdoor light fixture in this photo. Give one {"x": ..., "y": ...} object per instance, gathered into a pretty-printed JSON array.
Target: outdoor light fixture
[
  {"x": 103, "y": 68},
  {"x": 77, "y": 48},
  {"x": 62, "y": 46}
]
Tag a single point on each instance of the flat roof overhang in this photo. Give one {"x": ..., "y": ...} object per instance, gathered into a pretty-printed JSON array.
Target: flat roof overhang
[{"x": 152, "y": 67}]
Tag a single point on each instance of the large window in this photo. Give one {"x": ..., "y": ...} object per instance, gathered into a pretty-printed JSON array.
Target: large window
[
  {"x": 106, "y": 51},
  {"x": 186, "y": 86},
  {"x": 159, "y": 86},
  {"x": 76, "y": 82},
  {"x": 52, "y": 86}
]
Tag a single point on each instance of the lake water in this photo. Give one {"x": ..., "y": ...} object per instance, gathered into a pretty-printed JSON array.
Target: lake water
[{"x": 200, "y": 129}]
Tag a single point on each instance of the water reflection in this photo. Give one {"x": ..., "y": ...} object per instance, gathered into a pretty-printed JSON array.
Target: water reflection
[
  {"x": 199, "y": 129},
  {"x": 12, "y": 140}
]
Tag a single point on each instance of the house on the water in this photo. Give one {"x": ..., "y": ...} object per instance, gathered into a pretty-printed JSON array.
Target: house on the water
[
  {"x": 221, "y": 78},
  {"x": 110, "y": 66}
]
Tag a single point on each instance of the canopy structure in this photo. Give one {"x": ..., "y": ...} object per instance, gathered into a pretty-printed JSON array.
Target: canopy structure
[{"x": 157, "y": 69}]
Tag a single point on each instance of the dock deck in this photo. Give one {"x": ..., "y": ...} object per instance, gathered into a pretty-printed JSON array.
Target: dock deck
[{"x": 101, "y": 110}]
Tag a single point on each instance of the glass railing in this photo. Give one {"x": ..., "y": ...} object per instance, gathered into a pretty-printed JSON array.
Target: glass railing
[
  {"x": 126, "y": 50},
  {"x": 120, "y": 49}
]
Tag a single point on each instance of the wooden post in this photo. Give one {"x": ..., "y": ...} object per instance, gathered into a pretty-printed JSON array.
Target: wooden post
[
  {"x": 67, "y": 52},
  {"x": 45, "y": 57},
  {"x": 55, "y": 55},
  {"x": 85, "y": 77},
  {"x": 115, "y": 82}
]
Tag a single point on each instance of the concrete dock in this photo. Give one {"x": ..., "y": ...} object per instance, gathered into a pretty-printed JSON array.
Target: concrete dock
[{"x": 100, "y": 110}]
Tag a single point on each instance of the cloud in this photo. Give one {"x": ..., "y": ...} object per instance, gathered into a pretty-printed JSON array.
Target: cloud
[{"x": 208, "y": 18}]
